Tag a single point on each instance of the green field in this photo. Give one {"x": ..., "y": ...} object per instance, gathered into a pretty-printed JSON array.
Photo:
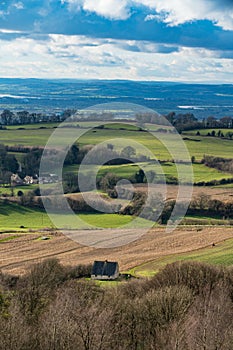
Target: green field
[
  {"x": 204, "y": 132},
  {"x": 32, "y": 135},
  {"x": 211, "y": 146},
  {"x": 204, "y": 220},
  {"x": 201, "y": 172},
  {"x": 225, "y": 186},
  {"x": 8, "y": 190},
  {"x": 220, "y": 254},
  {"x": 32, "y": 126},
  {"x": 35, "y": 137},
  {"x": 18, "y": 155},
  {"x": 38, "y": 137},
  {"x": 13, "y": 216}
]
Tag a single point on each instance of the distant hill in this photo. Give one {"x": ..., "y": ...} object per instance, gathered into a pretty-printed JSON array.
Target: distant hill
[{"x": 55, "y": 95}]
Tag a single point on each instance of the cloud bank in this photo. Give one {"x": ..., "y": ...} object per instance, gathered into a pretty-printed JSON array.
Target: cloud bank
[
  {"x": 171, "y": 12},
  {"x": 175, "y": 40}
]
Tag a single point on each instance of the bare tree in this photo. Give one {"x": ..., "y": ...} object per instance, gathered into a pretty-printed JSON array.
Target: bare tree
[{"x": 210, "y": 320}]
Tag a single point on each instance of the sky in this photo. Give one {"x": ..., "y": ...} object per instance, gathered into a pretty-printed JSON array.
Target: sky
[{"x": 157, "y": 40}]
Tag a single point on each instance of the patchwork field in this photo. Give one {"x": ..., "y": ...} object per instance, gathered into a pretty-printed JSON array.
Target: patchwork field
[
  {"x": 197, "y": 145},
  {"x": 21, "y": 228}
]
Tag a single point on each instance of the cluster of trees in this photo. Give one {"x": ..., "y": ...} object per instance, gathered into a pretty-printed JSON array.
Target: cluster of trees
[
  {"x": 32, "y": 159},
  {"x": 160, "y": 211},
  {"x": 186, "y": 121},
  {"x": 224, "y": 122},
  {"x": 30, "y": 163},
  {"x": 107, "y": 155},
  {"x": 8, "y": 117},
  {"x": 219, "y": 133},
  {"x": 151, "y": 118},
  {"x": 203, "y": 204},
  {"x": 56, "y": 203},
  {"x": 222, "y": 164},
  {"x": 189, "y": 122},
  {"x": 186, "y": 306},
  {"x": 8, "y": 165}
]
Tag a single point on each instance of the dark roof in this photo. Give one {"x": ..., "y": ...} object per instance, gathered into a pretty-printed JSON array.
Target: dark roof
[{"x": 104, "y": 268}]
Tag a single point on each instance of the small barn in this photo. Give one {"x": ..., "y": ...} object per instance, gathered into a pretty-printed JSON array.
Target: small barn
[{"x": 105, "y": 270}]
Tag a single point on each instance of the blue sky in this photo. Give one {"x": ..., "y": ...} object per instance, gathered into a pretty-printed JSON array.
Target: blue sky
[{"x": 165, "y": 40}]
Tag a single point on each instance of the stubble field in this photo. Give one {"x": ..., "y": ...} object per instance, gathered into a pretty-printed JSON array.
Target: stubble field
[{"x": 17, "y": 254}]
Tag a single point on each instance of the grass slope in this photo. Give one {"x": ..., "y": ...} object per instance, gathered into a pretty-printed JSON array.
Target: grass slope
[
  {"x": 204, "y": 132},
  {"x": 38, "y": 137},
  {"x": 201, "y": 172},
  {"x": 24, "y": 189},
  {"x": 221, "y": 254},
  {"x": 12, "y": 216}
]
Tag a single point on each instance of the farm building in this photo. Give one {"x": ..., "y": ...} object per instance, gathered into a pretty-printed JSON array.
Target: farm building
[
  {"x": 105, "y": 270},
  {"x": 29, "y": 180}
]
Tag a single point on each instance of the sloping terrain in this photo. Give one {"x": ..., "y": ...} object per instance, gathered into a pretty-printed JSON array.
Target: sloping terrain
[{"x": 17, "y": 254}]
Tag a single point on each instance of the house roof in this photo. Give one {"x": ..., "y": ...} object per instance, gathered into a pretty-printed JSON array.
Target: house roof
[{"x": 104, "y": 268}]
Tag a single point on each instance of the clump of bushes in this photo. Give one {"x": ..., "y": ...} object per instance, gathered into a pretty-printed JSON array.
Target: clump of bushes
[{"x": 187, "y": 305}]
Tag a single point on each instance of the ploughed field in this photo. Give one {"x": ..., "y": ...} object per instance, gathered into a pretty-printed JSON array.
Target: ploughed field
[
  {"x": 19, "y": 250},
  {"x": 224, "y": 194}
]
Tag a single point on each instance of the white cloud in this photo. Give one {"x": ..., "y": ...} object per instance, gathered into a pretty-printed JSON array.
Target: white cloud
[
  {"x": 113, "y": 9},
  {"x": 9, "y": 31},
  {"x": 61, "y": 56},
  {"x": 175, "y": 12},
  {"x": 18, "y": 5},
  {"x": 172, "y": 12},
  {"x": 152, "y": 18}
]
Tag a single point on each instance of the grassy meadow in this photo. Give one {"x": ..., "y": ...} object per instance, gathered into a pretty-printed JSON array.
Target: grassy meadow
[
  {"x": 14, "y": 190},
  {"x": 204, "y": 132},
  {"x": 15, "y": 217},
  {"x": 37, "y": 135},
  {"x": 201, "y": 172}
]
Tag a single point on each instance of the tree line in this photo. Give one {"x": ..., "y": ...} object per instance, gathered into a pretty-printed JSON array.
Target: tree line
[
  {"x": 7, "y": 117},
  {"x": 184, "y": 121},
  {"x": 186, "y": 306}
]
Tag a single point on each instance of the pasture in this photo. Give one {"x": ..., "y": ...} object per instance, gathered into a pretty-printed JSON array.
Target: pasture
[
  {"x": 204, "y": 132},
  {"x": 14, "y": 190},
  {"x": 201, "y": 172},
  {"x": 15, "y": 217},
  {"x": 197, "y": 145}
]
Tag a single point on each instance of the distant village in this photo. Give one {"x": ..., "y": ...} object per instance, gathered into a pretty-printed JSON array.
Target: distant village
[{"x": 16, "y": 180}]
